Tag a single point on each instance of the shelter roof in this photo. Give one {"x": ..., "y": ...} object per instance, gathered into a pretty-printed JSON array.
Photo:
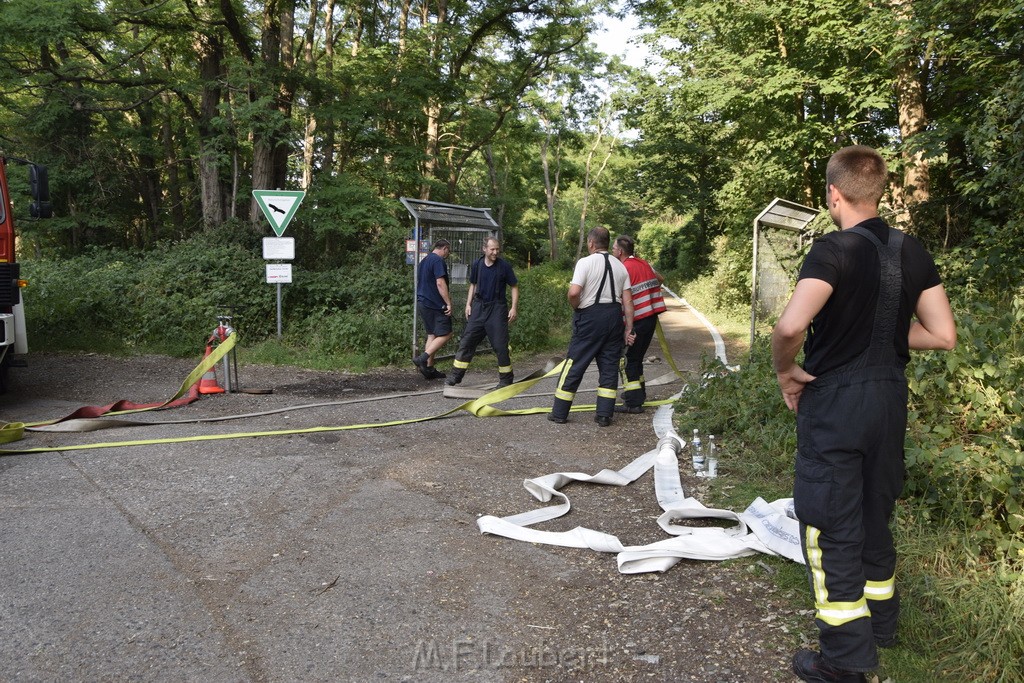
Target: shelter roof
[
  {"x": 781, "y": 213},
  {"x": 429, "y": 214}
]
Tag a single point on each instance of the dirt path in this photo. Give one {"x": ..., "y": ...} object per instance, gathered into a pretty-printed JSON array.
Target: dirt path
[{"x": 349, "y": 555}]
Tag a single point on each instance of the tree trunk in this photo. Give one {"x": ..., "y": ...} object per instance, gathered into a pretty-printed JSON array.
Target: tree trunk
[
  {"x": 492, "y": 174},
  {"x": 309, "y": 136},
  {"x": 173, "y": 186},
  {"x": 433, "y": 112},
  {"x": 149, "y": 178},
  {"x": 270, "y": 149},
  {"x": 211, "y": 52},
  {"x": 589, "y": 180},
  {"x": 550, "y": 194},
  {"x": 286, "y": 90},
  {"x": 328, "y": 125},
  {"x": 913, "y": 119},
  {"x": 433, "y": 108},
  {"x": 403, "y": 26}
]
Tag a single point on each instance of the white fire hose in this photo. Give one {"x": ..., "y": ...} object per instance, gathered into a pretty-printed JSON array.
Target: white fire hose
[{"x": 763, "y": 527}]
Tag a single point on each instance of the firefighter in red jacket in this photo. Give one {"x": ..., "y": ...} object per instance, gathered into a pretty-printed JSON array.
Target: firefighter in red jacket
[{"x": 647, "y": 305}]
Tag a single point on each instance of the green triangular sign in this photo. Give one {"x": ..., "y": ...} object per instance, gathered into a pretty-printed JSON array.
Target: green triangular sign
[{"x": 278, "y": 206}]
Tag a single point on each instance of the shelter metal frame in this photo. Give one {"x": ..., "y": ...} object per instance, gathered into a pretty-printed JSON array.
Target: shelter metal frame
[
  {"x": 783, "y": 215},
  {"x": 435, "y": 220}
]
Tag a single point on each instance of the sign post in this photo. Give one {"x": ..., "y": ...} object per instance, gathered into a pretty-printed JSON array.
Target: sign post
[{"x": 279, "y": 207}]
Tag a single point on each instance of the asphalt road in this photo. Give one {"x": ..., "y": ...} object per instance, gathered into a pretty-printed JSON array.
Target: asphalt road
[{"x": 347, "y": 555}]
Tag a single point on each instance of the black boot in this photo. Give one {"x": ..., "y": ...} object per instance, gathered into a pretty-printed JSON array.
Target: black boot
[
  {"x": 455, "y": 377},
  {"x": 420, "y": 362},
  {"x": 504, "y": 379}
]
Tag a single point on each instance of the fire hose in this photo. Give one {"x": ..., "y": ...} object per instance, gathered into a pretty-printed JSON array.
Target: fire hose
[
  {"x": 763, "y": 527},
  {"x": 94, "y": 418}
]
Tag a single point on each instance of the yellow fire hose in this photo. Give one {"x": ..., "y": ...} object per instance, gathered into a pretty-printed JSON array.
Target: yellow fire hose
[{"x": 483, "y": 406}]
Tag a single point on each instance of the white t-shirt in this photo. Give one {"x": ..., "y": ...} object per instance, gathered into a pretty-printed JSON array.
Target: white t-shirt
[{"x": 588, "y": 273}]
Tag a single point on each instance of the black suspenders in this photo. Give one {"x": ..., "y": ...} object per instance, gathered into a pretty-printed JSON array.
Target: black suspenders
[
  {"x": 889, "y": 291},
  {"x": 607, "y": 273}
]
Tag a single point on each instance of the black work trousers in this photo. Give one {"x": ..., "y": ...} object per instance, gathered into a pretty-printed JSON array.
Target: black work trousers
[
  {"x": 849, "y": 472},
  {"x": 635, "y": 393},
  {"x": 490, "y": 320},
  {"x": 597, "y": 334}
]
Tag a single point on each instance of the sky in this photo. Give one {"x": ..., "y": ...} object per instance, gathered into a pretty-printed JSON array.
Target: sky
[{"x": 617, "y": 39}]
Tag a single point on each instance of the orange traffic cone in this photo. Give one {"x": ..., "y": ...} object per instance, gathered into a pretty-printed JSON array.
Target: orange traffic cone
[{"x": 208, "y": 382}]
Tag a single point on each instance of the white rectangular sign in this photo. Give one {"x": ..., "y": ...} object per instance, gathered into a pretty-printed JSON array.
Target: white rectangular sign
[
  {"x": 279, "y": 248},
  {"x": 279, "y": 273}
]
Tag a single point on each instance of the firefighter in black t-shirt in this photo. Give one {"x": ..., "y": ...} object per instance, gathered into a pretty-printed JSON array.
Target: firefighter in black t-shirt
[{"x": 866, "y": 295}]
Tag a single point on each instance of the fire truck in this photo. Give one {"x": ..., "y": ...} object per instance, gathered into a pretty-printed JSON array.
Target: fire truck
[{"x": 13, "y": 341}]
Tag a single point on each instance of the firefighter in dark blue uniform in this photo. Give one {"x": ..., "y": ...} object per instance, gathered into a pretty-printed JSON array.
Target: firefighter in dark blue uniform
[
  {"x": 488, "y": 313},
  {"x": 856, "y": 300},
  {"x": 602, "y": 325}
]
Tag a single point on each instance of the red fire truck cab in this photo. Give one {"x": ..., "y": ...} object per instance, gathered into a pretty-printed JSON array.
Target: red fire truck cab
[{"x": 13, "y": 341}]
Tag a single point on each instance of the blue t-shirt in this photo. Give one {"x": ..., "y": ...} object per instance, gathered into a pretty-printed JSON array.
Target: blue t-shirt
[
  {"x": 490, "y": 281},
  {"x": 431, "y": 268}
]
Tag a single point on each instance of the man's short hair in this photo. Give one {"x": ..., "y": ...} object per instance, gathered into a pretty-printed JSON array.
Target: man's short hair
[
  {"x": 859, "y": 173},
  {"x": 626, "y": 244},
  {"x": 599, "y": 236},
  {"x": 442, "y": 243}
]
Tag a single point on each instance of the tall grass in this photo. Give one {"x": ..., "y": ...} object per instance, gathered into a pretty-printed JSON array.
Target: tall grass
[{"x": 962, "y": 618}]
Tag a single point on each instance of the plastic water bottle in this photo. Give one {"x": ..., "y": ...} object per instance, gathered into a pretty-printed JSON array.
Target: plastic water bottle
[
  {"x": 712, "y": 457},
  {"x": 698, "y": 453}
]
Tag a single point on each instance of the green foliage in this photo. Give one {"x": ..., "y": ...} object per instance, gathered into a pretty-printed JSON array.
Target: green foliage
[
  {"x": 544, "y": 313},
  {"x": 79, "y": 302},
  {"x": 380, "y": 334},
  {"x": 724, "y": 283},
  {"x": 167, "y": 301},
  {"x": 746, "y": 413},
  {"x": 146, "y": 139},
  {"x": 355, "y": 315},
  {"x": 338, "y": 216},
  {"x": 958, "y": 613},
  {"x": 964, "y": 457},
  {"x": 360, "y": 309},
  {"x": 670, "y": 244}
]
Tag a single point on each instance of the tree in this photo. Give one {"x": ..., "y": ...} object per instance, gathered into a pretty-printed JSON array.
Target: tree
[{"x": 592, "y": 175}]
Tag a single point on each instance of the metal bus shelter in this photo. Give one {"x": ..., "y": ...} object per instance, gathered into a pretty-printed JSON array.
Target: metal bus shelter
[
  {"x": 466, "y": 228},
  {"x": 780, "y": 233}
]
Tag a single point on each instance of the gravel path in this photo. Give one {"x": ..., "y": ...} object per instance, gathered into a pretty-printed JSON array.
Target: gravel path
[{"x": 350, "y": 555}]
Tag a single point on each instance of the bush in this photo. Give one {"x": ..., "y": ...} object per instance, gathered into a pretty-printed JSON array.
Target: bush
[
  {"x": 544, "y": 313},
  {"x": 964, "y": 460},
  {"x": 183, "y": 287},
  {"x": 167, "y": 300}
]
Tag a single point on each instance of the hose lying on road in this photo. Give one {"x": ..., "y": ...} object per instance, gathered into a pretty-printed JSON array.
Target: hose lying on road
[
  {"x": 763, "y": 527},
  {"x": 95, "y": 418}
]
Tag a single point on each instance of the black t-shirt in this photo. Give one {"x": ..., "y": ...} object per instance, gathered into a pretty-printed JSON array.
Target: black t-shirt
[{"x": 849, "y": 262}]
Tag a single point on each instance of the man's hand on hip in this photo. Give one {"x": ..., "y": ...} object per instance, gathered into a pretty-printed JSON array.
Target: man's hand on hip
[{"x": 792, "y": 383}]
